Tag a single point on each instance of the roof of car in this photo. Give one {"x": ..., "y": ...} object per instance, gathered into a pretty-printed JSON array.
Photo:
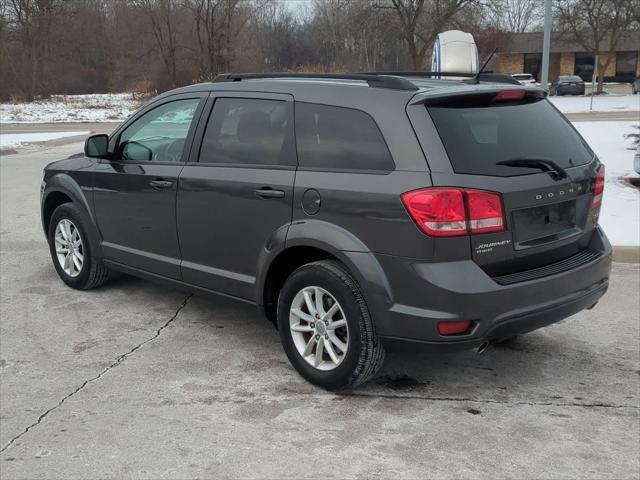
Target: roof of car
[{"x": 338, "y": 89}]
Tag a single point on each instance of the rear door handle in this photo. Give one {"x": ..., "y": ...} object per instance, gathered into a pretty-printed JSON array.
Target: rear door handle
[
  {"x": 267, "y": 192},
  {"x": 160, "y": 184}
]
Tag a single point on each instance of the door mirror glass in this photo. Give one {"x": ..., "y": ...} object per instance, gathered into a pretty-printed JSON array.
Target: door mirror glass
[{"x": 96, "y": 146}]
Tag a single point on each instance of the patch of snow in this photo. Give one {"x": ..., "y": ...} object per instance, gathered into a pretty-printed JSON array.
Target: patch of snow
[
  {"x": 620, "y": 214},
  {"x": 13, "y": 140},
  {"x": 108, "y": 107},
  {"x": 601, "y": 103}
]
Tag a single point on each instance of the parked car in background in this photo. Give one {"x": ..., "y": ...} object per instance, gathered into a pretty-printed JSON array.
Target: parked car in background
[
  {"x": 567, "y": 85},
  {"x": 525, "y": 78},
  {"x": 357, "y": 211},
  {"x": 635, "y": 86}
]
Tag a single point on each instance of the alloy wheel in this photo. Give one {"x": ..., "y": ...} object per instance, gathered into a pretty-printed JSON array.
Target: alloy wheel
[
  {"x": 69, "y": 248},
  {"x": 319, "y": 328}
]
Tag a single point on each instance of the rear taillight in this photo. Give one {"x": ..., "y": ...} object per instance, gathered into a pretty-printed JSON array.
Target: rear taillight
[
  {"x": 439, "y": 212},
  {"x": 485, "y": 211},
  {"x": 450, "y": 212},
  {"x": 598, "y": 188}
]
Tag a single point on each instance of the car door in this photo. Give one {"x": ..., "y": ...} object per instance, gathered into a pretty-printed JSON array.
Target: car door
[
  {"x": 135, "y": 189},
  {"x": 239, "y": 192}
]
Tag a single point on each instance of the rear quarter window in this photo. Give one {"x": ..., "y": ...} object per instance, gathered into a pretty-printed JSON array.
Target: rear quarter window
[
  {"x": 335, "y": 138},
  {"x": 477, "y": 136}
]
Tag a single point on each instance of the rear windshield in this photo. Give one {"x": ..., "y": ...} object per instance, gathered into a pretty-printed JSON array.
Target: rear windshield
[
  {"x": 477, "y": 137},
  {"x": 570, "y": 78}
]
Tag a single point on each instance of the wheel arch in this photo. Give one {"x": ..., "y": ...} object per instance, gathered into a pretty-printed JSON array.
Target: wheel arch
[
  {"x": 310, "y": 241},
  {"x": 61, "y": 188}
]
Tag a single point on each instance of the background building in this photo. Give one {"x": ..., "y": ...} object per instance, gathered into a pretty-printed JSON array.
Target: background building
[{"x": 522, "y": 53}]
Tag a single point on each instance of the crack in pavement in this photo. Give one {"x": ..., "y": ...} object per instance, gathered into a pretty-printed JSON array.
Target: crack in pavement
[
  {"x": 499, "y": 402},
  {"x": 117, "y": 362}
]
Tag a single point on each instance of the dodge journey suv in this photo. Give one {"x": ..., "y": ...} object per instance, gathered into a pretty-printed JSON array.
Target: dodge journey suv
[{"x": 357, "y": 211}]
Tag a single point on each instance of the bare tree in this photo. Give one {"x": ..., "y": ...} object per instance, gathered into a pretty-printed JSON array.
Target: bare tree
[
  {"x": 276, "y": 37},
  {"x": 422, "y": 20},
  {"x": 161, "y": 14},
  {"x": 516, "y": 15},
  {"x": 597, "y": 25},
  {"x": 377, "y": 34},
  {"x": 33, "y": 21},
  {"x": 217, "y": 25}
]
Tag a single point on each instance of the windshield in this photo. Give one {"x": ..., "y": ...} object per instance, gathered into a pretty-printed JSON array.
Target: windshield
[
  {"x": 476, "y": 138},
  {"x": 570, "y": 78}
]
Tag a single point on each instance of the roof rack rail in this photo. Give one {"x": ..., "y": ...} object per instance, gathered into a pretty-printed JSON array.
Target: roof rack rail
[
  {"x": 382, "y": 80},
  {"x": 486, "y": 76}
]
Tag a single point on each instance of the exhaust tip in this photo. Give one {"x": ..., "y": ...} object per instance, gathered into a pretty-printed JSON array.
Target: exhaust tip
[{"x": 481, "y": 348}]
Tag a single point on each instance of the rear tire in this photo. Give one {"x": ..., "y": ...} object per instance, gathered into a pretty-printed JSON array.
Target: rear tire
[
  {"x": 300, "y": 332},
  {"x": 71, "y": 249}
]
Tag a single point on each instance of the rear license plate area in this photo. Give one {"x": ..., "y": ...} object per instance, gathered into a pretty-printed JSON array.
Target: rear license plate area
[{"x": 546, "y": 223}]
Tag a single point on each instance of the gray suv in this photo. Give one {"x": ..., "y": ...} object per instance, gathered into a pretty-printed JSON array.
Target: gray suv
[{"x": 357, "y": 211}]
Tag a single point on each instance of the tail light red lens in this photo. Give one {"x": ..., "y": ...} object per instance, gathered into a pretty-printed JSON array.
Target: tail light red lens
[
  {"x": 449, "y": 212},
  {"x": 598, "y": 188},
  {"x": 454, "y": 328},
  {"x": 485, "y": 211},
  {"x": 439, "y": 212}
]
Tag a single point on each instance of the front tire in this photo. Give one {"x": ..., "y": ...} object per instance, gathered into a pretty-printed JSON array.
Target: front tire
[
  {"x": 325, "y": 327},
  {"x": 71, "y": 250}
]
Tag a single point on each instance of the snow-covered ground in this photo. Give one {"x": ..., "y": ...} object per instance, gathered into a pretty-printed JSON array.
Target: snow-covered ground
[
  {"x": 14, "y": 140},
  {"x": 601, "y": 103},
  {"x": 620, "y": 214},
  {"x": 107, "y": 107}
]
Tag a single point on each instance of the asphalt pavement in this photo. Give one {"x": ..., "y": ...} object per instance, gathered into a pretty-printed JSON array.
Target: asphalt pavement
[{"x": 136, "y": 380}]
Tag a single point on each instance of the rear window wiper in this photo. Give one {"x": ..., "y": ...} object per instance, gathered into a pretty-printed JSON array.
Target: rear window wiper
[{"x": 543, "y": 164}]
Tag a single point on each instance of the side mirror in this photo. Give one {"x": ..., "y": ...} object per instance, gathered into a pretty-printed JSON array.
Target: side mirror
[{"x": 97, "y": 146}]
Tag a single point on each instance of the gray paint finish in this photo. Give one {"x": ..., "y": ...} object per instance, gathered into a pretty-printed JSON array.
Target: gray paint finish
[{"x": 210, "y": 233}]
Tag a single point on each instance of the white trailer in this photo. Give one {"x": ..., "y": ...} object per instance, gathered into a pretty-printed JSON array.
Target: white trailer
[{"x": 455, "y": 51}]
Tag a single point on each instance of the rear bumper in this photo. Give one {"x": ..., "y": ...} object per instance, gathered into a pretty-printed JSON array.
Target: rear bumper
[
  {"x": 571, "y": 90},
  {"x": 425, "y": 294}
]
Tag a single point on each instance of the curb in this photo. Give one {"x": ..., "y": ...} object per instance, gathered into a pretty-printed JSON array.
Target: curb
[
  {"x": 47, "y": 143},
  {"x": 626, "y": 254}
]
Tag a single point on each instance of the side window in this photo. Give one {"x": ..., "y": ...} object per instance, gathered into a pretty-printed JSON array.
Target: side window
[
  {"x": 248, "y": 131},
  {"x": 336, "y": 138},
  {"x": 160, "y": 134}
]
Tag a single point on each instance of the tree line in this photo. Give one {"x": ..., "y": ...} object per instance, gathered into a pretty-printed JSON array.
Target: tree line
[{"x": 87, "y": 46}]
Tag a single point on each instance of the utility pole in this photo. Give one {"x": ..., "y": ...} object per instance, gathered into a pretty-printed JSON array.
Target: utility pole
[
  {"x": 546, "y": 45},
  {"x": 594, "y": 79}
]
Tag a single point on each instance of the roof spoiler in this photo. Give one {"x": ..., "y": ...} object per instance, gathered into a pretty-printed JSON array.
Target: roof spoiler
[{"x": 484, "y": 76}]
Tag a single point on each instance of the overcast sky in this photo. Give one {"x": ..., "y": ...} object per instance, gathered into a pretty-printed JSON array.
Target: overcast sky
[{"x": 297, "y": 5}]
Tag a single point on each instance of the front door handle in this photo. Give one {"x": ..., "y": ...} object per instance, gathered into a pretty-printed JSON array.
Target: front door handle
[
  {"x": 160, "y": 184},
  {"x": 267, "y": 192}
]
